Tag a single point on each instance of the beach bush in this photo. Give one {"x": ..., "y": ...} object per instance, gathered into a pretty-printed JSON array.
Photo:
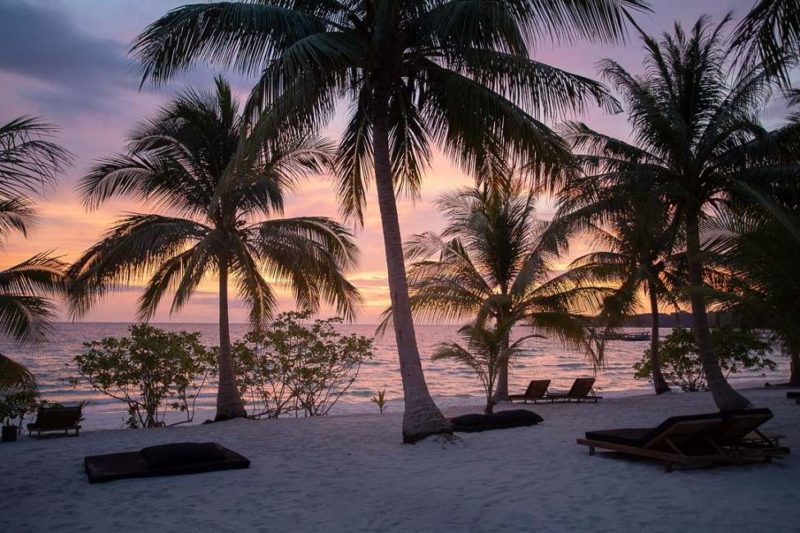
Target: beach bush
[
  {"x": 736, "y": 348},
  {"x": 15, "y": 406},
  {"x": 296, "y": 367},
  {"x": 153, "y": 371}
]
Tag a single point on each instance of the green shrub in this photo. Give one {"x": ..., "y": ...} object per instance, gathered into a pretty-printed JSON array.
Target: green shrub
[
  {"x": 736, "y": 349},
  {"x": 292, "y": 368},
  {"x": 152, "y": 371}
]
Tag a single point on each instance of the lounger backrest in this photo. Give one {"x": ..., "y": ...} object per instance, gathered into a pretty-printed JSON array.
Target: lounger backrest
[
  {"x": 738, "y": 424},
  {"x": 581, "y": 388},
  {"x": 679, "y": 429},
  {"x": 537, "y": 388},
  {"x": 58, "y": 417}
]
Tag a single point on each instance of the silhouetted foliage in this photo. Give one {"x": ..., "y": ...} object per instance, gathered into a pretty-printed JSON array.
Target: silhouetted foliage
[
  {"x": 737, "y": 349},
  {"x": 293, "y": 368},
  {"x": 153, "y": 371}
]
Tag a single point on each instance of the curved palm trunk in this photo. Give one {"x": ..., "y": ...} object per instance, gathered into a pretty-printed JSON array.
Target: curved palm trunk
[
  {"x": 421, "y": 417},
  {"x": 725, "y": 396},
  {"x": 229, "y": 401},
  {"x": 659, "y": 383}
]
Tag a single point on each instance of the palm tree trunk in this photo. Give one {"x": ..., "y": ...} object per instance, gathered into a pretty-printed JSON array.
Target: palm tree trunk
[
  {"x": 794, "y": 363},
  {"x": 501, "y": 390},
  {"x": 229, "y": 401},
  {"x": 659, "y": 383},
  {"x": 421, "y": 417},
  {"x": 793, "y": 348},
  {"x": 725, "y": 396}
]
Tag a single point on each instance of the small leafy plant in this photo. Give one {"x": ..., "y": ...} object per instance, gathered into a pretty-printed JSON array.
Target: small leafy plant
[
  {"x": 153, "y": 371},
  {"x": 380, "y": 400},
  {"x": 736, "y": 349}
]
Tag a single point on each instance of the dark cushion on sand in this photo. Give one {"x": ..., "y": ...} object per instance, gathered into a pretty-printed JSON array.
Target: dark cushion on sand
[
  {"x": 181, "y": 453},
  {"x": 109, "y": 467},
  {"x": 502, "y": 420}
]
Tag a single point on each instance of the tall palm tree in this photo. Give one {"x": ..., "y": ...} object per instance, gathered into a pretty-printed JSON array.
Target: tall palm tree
[
  {"x": 762, "y": 280},
  {"x": 29, "y": 165},
  {"x": 633, "y": 233},
  {"x": 694, "y": 117},
  {"x": 491, "y": 264},
  {"x": 415, "y": 72},
  {"x": 218, "y": 223},
  {"x": 770, "y": 33}
]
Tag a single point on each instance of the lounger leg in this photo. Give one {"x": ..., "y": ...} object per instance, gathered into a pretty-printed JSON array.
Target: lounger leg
[
  {"x": 591, "y": 450},
  {"x": 668, "y": 468}
]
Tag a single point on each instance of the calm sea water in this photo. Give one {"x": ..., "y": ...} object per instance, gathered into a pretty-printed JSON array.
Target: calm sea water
[{"x": 449, "y": 383}]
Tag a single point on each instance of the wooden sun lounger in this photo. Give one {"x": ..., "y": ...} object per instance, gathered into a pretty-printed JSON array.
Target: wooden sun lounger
[
  {"x": 582, "y": 390},
  {"x": 56, "y": 419},
  {"x": 741, "y": 438},
  {"x": 536, "y": 391},
  {"x": 793, "y": 396},
  {"x": 695, "y": 440},
  {"x": 163, "y": 460}
]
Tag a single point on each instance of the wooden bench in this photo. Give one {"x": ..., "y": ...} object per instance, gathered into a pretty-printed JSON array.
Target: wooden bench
[{"x": 56, "y": 420}]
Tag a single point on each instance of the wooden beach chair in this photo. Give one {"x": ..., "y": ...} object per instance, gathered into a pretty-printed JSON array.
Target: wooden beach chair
[
  {"x": 793, "y": 396},
  {"x": 742, "y": 440},
  {"x": 163, "y": 460},
  {"x": 711, "y": 439},
  {"x": 582, "y": 390},
  {"x": 536, "y": 391},
  {"x": 56, "y": 420},
  {"x": 679, "y": 440}
]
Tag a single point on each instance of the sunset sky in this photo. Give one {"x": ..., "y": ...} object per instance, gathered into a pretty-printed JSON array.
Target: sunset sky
[{"x": 66, "y": 61}]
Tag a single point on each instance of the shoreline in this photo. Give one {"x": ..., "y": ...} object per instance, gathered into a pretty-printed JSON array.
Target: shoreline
[{"x": 104, "y": 416}]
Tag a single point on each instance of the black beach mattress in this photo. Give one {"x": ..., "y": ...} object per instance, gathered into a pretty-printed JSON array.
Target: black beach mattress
[
  {"x": 512, "y": 418},
  {"x": 163, "y": 460}
]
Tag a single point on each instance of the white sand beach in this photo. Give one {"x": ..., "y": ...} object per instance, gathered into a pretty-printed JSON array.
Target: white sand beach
[{"x": 350, "y": 473}]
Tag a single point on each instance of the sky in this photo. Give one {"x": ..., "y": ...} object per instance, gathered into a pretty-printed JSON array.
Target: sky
[{"x": 66, "y": 61}]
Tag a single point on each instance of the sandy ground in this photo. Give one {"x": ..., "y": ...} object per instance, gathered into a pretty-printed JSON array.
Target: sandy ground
[{"x": 350, "y": 473}]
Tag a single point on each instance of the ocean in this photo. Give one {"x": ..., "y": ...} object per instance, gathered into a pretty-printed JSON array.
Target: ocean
[{"x": 449, "y": 383}]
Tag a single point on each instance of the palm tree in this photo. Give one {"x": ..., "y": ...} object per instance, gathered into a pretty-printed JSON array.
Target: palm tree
[
  {"x": 220, "y": 221},
  {"x": 490, "y": 263},
  {"x": 14, "y": 377},
  {"x": 415, "y": 72},
  {"x": 694, "y": 118},
  {"x": 634, "y": 235},
  {"x": 29, "y": 165},
  {"x": 762, "y": 281},
  {"x": 770, "y": 33},
  {"x": 487, "y": 351}
]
